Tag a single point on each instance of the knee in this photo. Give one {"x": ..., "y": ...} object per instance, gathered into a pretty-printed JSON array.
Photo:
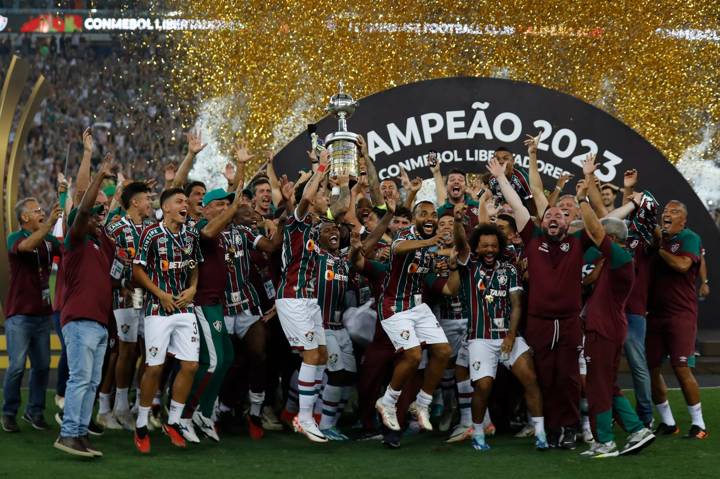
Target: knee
[
  {"x": 683, "y": 373},
  {"x": 442, "y": 352},
  {"x": 189, "y": 367},
  {"x": 413, "y": 356}
]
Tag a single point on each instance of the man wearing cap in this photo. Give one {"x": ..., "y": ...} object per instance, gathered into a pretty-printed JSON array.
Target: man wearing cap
[
  {"x": 216, "y": 350},
  {"x": 87, "y": 306}
]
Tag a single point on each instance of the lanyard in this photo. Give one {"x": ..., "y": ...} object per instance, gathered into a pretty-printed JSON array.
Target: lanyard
[
  {"x": 135, "y": 229},
  {"x": 179, "y": 242}
]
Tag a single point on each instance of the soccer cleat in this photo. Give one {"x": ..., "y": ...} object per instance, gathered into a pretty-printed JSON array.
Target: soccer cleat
[
  {"x": 541, "y": 443},
  {"x": 175, "y": 433},
  {"x": 125, "y": 419},
  {"x": 601, "y": 450},
  {"x": 270, "y": 421},
  {"x": 333, "y": 434},
  {"x": 205, "y": 424},
  {"x": 490, "y": 429},
  {"x": 696, "y": 432},
  {"x": 85, "y": 441},
  {"x": 422, "y": 414},
  {"x": 255, "y": 427},
  {"x": 288, "y": 418},
  {"x": 142, "y": 440},
  {"x": 637, "y": 441},
  {"x": 479, "y": 444},
  {"x": 388, "y": 415},
  {"x": 186, "y": 428},
  {"x": 370, "y": 435},
  {"x": 666, "y": 430},
  {"x": 460, "y": 433},
  {"x": 108, "y": 421},
  {"x": 587, "y": 436},
  {"x": 568, "y": 438},
  {"x": 527, "y": 431},
  {"x": 71, "y": 445},
  {"x": 310, "y": 429}
]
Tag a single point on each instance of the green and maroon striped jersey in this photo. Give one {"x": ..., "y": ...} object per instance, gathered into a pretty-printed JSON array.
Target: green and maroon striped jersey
[
  {"x": 333, "y": 277},
  {"x": 127, "y": 243},
  {"x": 240, "y": 294},
  {"x": 299, "y": 257},
  {"x": 485, "y": 295},
  {"x": 168, "y": 260},
  {"x": 450, "y": 307},
  {"x": 408, "y": 275}
]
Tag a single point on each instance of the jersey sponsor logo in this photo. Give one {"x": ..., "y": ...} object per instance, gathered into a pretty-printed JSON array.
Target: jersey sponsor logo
[
  {"x": 634, "y": 243},
  {"x": 153, "y": 351},
  {"x": 130, "y": 251},
  {"x": 310, "y": 245},
  {"x": 500, "y": 293},
  {"x": 565, "y": 247},
  {"x": 164, "y": 265},
  {"x": 415, "y": 268}
]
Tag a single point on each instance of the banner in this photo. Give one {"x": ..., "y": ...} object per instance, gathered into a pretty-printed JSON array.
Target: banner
[{"x": 465, "y": 119}]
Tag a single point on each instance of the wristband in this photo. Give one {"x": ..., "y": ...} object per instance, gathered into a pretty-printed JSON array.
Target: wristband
[
  {"x": 452, "y": 269},
  {"x": 322, "y": 168},
  {"x": 583, "y": 200},
  {"x": 558, "y": 188}
]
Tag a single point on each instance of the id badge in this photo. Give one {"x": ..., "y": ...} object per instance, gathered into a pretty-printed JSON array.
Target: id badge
[
  {"x": 499, "y": 323},
  {"x": 418, "y": 299},
  {"x": 46, "y": 296},
  {"x": 269, "y": 289},
  {"x": 364, "y": 295},
  {"x": 235, "y": 297},
  {"x": 117, "y": 269}
]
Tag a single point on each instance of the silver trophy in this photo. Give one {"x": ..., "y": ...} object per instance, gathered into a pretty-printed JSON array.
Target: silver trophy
[{"x": 342, "y": 145}]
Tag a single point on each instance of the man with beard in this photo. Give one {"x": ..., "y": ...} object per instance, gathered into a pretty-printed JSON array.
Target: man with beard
[
  {"x": 456, "y": 186},
  {"x": 555, "y": 261},
  {"x": 672, "y": 317},
  {"x": 608, "y": 192},
  {"x": 492, "y": 297},
  {"x": 408, "y": 321}
]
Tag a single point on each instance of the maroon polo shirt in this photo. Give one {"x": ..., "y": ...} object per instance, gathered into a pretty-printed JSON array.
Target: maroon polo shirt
[
  {"x": 674, "y": 293},
  {"x": 643, "y": 255},
  {"x": 29, "y": 291},
  {"x": 555, "y": 269},
  {"x": 87, "y": 289},
  {"x": 213, "y": 270}
]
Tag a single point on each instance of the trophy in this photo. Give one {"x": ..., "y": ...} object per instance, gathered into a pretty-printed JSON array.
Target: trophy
[{"x": 342, "y": 145}]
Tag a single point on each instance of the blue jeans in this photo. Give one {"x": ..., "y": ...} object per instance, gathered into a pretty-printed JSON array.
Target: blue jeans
[
  {"x": 27, "y": 336},
  {"x": 86, "y": 342},
  {"x": 62, "y": 368},
  {"x": 635, "y": 354}
]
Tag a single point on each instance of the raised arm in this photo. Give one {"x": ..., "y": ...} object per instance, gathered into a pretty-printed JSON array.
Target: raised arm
[
  {"x": 592, "y": 188},
  {"x": 83, "y": 176},
  {"x": 555, "y": 194},
  {"x": 195, "y": 146},
  {"x": 440, "y": 189},
  {"x": 452, "y": 285},
  {"x": 624, "y": 211},
  {"x": 461, "y": 243},
  {"x": 536, "y": 184},
  {"x": 592, "y": 223},
  {"x": 382, "y": 226},
  {"x": 242, "y": 156},
  {"x": 630, "y": 178},
  {"x": 216, "y": 225},
  {"x": 78, "y": 230},
  {"x": 373, "y": 179},
  {"x": 36, "y": 238},
  {"x": 275, "y": 184},
  {"x": 311, "y": 187},
  {"x": 520, "y": 212},
  {"x": 342, "y": 203}
]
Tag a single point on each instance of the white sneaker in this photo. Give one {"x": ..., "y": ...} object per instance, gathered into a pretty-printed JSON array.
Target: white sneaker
[
  {"x": 587, "y": 436},
  {"x": 422, "y": 414},
  {"x": 206, "y": 425},
  {"x": 310, "y": 429},
  {"x": 108, "y": 421},
  {"x": 460, "y": 433},
  {"x": 601, "y": 450},
  {"x": 270, "y": 422},
  {"x": 527, "y": 431},
  {"x": 638, "y": 441},
  {"x": 188, "y": 431},
  {"x": 388, "y": 414},
  {"x": 125, "y": 419},
  {"x": 60, "y": 402}
]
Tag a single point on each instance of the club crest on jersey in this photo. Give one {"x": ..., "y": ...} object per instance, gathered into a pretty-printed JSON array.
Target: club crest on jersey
[
  {"x": 476, "y": 365},
  {"x": 333, "y": 358},
  {"x": 565, "y": 247},
  {"x": 309, "y": 336},
  {"x": 125, "y": 328},
  {"x": 634, "y": 243},
  {"x": 111, "y": 343},
  {"x": 153, "y": 351},
  {"x": 502, "y": 279},
  {"x": 217, "y": 325},
  {"x": 405, "y": 334},
  {"x": 675, "y": 247}
]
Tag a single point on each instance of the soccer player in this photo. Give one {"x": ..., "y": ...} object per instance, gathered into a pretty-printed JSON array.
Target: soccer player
[
  {"x": 672, "y": 317},
  {"x": 492, "y": 297},
  {"x": 27, "y": 327},
  {"x": 555, "y": 261},
  {"x": 166, "y": 266},
  {"x": 126, "y": 233},
  {"x": 87, "y": 305},
  {"x": 408, "y": 321}
]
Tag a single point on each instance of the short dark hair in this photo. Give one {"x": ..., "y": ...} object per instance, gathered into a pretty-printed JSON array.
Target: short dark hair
[
  {"x": 487, "y": 229},
  {"x": 260, "y": 180},
  {"x": 455, "y": 171},
  {"x": 395, "y": 180},
  {"x": 509, "y": 219},
  {"x": 167, "y": 194},
  {"x": 404, "y": 212},
  {"x": 447, "y": 212},
  {"x": 129, "y": 192},
  {"x": 189, "y": 187},
  {"x": 502, "y": 148}
]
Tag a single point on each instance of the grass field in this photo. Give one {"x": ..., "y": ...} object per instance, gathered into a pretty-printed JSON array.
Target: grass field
[{"x": 29, "y": 454}]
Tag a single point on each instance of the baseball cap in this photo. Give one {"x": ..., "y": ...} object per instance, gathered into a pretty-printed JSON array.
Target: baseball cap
[{"x": 217, "y": 194}]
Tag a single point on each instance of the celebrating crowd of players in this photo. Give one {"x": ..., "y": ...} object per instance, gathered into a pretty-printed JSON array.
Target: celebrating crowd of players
[{"x": 210, "y": 304}]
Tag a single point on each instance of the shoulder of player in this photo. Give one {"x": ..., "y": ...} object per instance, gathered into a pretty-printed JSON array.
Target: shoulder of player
[
  {"x": 505, "y": 267},
  {"x": 152, "y": 232},
  {"x": 16, "y": 236},
  {"x": 687, "y": 233}
]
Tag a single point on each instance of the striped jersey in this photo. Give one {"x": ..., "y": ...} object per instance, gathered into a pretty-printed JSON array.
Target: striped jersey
[
  {"x": 240, "y": 294},
  {"x": 333, "y": 276},
  {"x": 485, "y": 295},
  {"x": 408, "y": 275},
  {"x": 299, "y": 258},
  {"x": 450, "y": 307},
  {"x": 126, "y": 235},
  {"x": 168, "y": 260}
]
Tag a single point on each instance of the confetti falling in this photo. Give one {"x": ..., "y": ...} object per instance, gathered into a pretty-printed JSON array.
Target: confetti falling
[{"x": 653, "y": 65}]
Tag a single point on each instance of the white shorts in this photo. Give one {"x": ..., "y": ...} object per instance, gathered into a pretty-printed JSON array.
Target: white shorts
[
  {"x": 129, "y": 322},
  {"x": 176, "y": 334},
  {"x": 455, "y": 332},
  {"x": 240, "y": 323},
  {"x": 340, "y": 351},
  {"x": 463, "y": 355},
  {"x": 408, "y": 329},
  {"x": 301, "y": 321},
  {"x": 485, "y": 356}
]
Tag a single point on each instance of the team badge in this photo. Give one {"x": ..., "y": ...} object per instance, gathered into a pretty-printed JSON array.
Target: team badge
[
  {"x": 405, "y": 335},
  {"x": 309, "y": 336},
  {"x": 333, "y": 358},
  {"x": 217, "y": 325},
  {"x": 112, "y": 343},
  {"x": 502, "y": 279},
  {"x": 565, "y": 247},
  {"x": 125, "y": 328},
  {"x": 674, "y": 248},
  {"x": 153, "y": 351},
  {"x": 192, "y": 263},
  {"x": 476, "y": 365},
  {"x": 634, "y": 243}
]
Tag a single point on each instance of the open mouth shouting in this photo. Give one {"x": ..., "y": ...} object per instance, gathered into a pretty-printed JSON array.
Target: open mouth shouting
[
  {"x": 428, "y": 228},
  {"x": 334, "y": 241},
  {"x": 553, "y": 228},
  {"x": 183, "y": 213}
]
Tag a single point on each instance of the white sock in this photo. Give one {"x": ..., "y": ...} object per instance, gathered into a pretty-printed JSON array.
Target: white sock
[
  {"x": 665, "y": 413},
  {"x": 104, "y": 406},
  {"x": 479, "y": 430},
  {"x": 486, "y": 418},
  {"x": 291, "y": 405},
  {"x": 142, "y": 417},
  {"x": 121, "y": 400},
  {"x": 175, "y": 412},
  {"x": 539, "y": 425},
  {"x": 423, "y": 399},
  {"x": 320, "y": 380},
  {"x": 307, "y": 391},
  {"x": 465, "y": 391},
  {"x": 330, "y": 401},
  {"x": 696, "y": 415},
  {"x": 391, "y": 397},
  {"x": 137, "y": 398},
  {"x": 256, "y": 402}
]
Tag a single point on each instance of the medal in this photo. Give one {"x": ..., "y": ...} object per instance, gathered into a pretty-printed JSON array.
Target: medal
[{"x": 489, "y": 298}]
